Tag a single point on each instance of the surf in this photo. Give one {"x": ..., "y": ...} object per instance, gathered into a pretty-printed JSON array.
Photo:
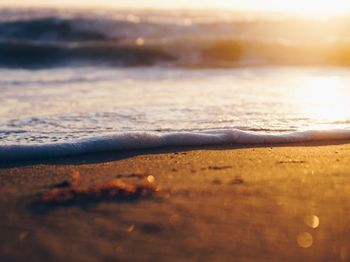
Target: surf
[{"x": 150, "y": 140}]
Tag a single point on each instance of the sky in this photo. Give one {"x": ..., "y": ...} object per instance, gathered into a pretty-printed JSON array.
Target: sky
[{"x": 311, "y": 7}]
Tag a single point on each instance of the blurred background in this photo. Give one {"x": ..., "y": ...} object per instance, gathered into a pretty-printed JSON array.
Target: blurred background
[{"x": 75, "y": 69}]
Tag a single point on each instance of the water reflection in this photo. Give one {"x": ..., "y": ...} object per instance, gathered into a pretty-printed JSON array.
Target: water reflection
[
  {"x": 305, "y": 240},
  {"x": 150, "y": 179},
  {"x": 85, "y": 102},
  {"x": 324, "y": 99},
  {"x": 312, "y": 221}
]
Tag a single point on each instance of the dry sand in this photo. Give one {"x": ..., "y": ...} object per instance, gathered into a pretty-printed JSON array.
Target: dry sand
[{"x": 285, "y": 203}]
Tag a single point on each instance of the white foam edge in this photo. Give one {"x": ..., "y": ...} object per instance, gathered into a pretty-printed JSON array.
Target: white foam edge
[{"x": 148, "y": 140}]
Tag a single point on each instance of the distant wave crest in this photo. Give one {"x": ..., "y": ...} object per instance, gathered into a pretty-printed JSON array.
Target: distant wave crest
[
  {"x": 49, "y": 29},
  {"x": 18, "y": 54},
  {"x": 54, "y": 41}
]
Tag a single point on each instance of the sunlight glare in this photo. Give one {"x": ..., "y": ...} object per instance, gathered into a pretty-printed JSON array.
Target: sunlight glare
[
  {"x": 323, "y": 98},
  {"x": 312, "y": 8}
]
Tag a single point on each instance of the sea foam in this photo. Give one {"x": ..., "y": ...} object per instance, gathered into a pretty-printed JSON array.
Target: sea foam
[{"x": 148, "y": 140}]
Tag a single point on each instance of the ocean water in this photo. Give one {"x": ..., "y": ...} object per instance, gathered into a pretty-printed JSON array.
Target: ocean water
[{"x": 84, "y": 82}]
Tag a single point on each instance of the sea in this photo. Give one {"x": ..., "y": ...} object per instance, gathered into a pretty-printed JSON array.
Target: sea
[{"x": 87, "y": 81}]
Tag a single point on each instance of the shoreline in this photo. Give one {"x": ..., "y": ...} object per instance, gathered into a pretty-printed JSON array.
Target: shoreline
[
  {"x": 134, "y": 142},
  {"x": 245, "y": 204},
  {"x": 115, "y": 155}
]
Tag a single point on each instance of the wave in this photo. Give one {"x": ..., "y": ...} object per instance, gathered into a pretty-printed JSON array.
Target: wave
[
  {"x": 15, "y": 54},
  {"x": 87, "y": 39},
  {"x": 140, "y": 41},
  {"x": 76, "y": 29},
  {"x": 49, "y": 29},
  {"x": 149, "y": 140},
  {"x": 206, "y": 53}
]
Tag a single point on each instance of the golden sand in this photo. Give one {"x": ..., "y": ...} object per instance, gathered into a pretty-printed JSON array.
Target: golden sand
[{"x": 250, "y": 204}]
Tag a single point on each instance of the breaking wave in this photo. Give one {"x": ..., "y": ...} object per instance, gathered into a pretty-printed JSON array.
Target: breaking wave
[
  {"x": 148, "y": 140},
  {"x": 141, "y": 41}
]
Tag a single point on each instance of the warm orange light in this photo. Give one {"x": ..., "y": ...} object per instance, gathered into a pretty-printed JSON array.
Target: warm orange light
[
  {"x": 323, "y": 98},
  {"x": 314, "y": 8}
]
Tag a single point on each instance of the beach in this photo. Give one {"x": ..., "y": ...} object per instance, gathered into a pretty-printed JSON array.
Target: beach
[
  {"x": 174, "y": 134},
  {"x": 285, "y": 202}
]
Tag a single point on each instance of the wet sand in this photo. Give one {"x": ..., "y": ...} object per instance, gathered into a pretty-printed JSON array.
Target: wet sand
[{"x": 281, "y": 203}]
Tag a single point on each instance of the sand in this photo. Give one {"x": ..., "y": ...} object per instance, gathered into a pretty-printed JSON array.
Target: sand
[{"x": 281, "y": 203}]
